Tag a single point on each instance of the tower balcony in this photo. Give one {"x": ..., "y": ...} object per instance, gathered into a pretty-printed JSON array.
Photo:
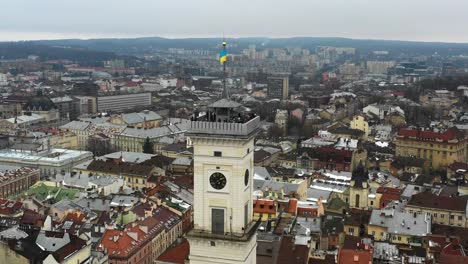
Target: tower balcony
[
  {"x": 224, "y": 129},
  {"x": 249, "y": 232}
]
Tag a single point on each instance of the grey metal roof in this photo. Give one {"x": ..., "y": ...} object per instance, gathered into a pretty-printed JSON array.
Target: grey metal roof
[
  {"x": 313, "y": 224},
  {"x": 261, "y": 173},
  {"x": 225, "y": 103},
  {"x": 315, "y": 194},
  {"x": 135, "y": 118},
  {"x": 401, "y": 223},
  {"x": 275, "y": 185},
  {"x": 95, "y": 204},
  {"x": 132, "y": 157},
  {"x": 76, "y": 125},
  {"x": 52, "y": 241},
  {"x": 182, "y": 161},
  {"x": 13, "y": 233}
]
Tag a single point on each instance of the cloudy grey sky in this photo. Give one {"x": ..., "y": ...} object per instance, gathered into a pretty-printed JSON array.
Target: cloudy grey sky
[{"x": 425, "y": 20}]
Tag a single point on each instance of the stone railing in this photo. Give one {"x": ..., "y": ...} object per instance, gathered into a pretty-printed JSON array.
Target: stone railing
[{"x": 224, "y": 128}]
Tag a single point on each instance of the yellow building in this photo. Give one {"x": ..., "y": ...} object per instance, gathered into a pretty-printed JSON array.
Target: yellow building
[
  {"x": 440, "y": 148},
  {"x": 64, "y": 140},
  {"x": 444, "y": 210},
  {"x": 265, "y": 209},
  {"x": 359, "y": 122},
  {"x": 355, "y": 222},
  {"x": 135, "y": 175},
  {"x": 281, "y": 119}
]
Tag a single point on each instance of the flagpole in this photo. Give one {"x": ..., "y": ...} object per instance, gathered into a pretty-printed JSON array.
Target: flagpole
[{"x": 225, "y": 91}]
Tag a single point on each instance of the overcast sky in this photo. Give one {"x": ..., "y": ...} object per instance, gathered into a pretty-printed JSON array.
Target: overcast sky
[{"x": 425, "y": 20}]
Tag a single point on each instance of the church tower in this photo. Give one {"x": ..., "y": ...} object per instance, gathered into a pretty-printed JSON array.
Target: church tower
[
  {"x": 359, "y": 189},
  {"x": 223, "y": 145}
]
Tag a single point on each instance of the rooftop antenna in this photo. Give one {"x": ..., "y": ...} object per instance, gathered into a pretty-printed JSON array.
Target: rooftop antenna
[{"x": 223, "y": 60}]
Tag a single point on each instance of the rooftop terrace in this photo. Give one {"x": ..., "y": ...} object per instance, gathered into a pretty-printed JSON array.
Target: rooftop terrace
[{"x": 225, "y": 128}]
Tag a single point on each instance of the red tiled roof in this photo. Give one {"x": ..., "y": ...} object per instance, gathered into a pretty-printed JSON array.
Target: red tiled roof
[
  {"x": 75, "y": 245},
  {"x": 389, "y": 190},
  {"x": 32, "y": 218},
  {"x": 262, "y": 206},
  {"x": 292, "y": 209},
  {"x": 346, "y": 153},
  {"x": 131, "y": 84},
  {"x": 291, "y": 253},
  {"x": 346, "y": 256},
  {"x": 76, "y": 217},
  {"x": 449, "y": 134},
  {"x": 157, "y": 189},
  {"x": 388, "y": 194},
  {"x": 430, "y": 200},
  {"x": 8, "y": 207},
  {"x": 177, "y": 254},
  {"x": 453, "y": 253},
  {"x": 118, "y": 243}
]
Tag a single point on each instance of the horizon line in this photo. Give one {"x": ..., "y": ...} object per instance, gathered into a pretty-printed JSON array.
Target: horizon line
[{"x": 81, "y": 36}]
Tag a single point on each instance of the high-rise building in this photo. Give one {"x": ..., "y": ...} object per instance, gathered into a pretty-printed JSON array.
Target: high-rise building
[
  {"x": 223, "y": 144},
  {"x": 278, "y": 86},
  {"x": 121, "y": 102}
]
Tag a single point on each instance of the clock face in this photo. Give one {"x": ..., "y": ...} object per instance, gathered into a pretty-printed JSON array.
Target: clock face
[
  {"x": 218, "y": 181},
  {"x": 246, "y": 177}
]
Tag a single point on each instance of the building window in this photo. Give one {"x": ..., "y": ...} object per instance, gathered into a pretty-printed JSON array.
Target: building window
[
  {"x": 442, "y": 216},
  {"x": 371, "y": 203},
  {"x": 218, "y": 154},
  {"x": 460, "y": 217},
  {"x": 399, "y": 238},
  {"x": 452, "y": 217},
  {"x": 212, "y": 243}
]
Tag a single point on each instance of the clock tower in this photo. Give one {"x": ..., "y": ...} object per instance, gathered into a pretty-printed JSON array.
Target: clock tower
[{"x": 223, "y": 145}]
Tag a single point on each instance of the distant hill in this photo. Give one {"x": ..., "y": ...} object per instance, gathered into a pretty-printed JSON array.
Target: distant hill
[
  {"x": 140, "y": 45},
  {"x": 19, "y": 50}
]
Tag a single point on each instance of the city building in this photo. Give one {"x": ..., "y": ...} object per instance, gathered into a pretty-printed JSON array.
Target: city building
[
  {"x": 278, "y": 86},
  {"x": 441, "y": 148},
  {"x": 14, "y": 180},
  {"x": 451, "y": 211},
  {"x": 87, "y": 104},
  {"x": 119, "y": 103},
  {"x": 359, "y": 122},
  {"x": 49, "y": 162},
  {"x": 9, "y": 110},
  {"x": 67, "y": 106}
]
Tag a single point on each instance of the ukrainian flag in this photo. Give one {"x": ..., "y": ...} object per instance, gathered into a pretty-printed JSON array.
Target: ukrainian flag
[{"x": 223, "y": 56}]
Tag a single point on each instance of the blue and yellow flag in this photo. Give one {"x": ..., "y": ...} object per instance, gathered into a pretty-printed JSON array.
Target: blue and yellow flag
[{"x": 223, "y": 56}]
